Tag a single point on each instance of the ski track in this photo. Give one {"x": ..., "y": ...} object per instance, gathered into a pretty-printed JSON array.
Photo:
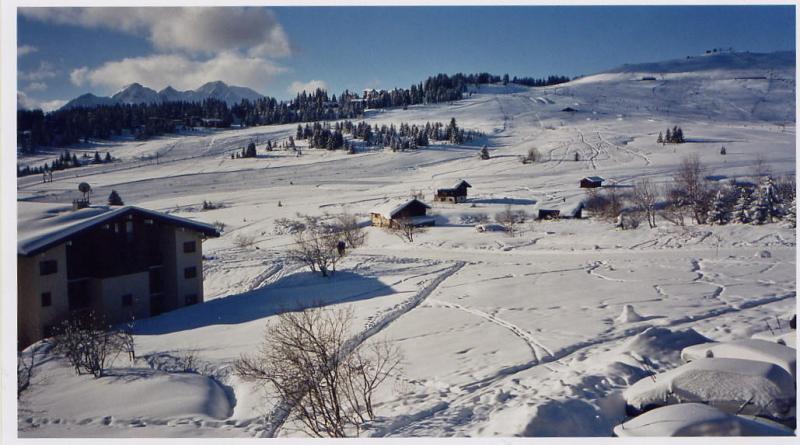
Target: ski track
[{"x": 280, "y": 414}]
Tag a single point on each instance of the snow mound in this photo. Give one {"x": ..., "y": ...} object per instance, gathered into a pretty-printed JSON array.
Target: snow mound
[
  {"x": 785, "y": 338},
  {"x": 661, "y": 345},
  {"x": 696, "y": 419},
  {"x": 629, "y": 315},
  {"x": 750, "y": 349},
  {"x": 136, "y": 393},
  {"x": 732, "y": 385}
]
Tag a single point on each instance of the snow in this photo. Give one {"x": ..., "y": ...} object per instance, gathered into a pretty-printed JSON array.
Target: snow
[
  {"x": 732, "y": 385},
  {"x": 501, "y": 335},
  {"x": 389, "y": 209},
  {"x": 696, "y": 419},
  {"x": 748, "y": 349}
]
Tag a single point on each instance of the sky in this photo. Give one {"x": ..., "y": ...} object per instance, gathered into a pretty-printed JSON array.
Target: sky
[{"x": 278, "y": 51}]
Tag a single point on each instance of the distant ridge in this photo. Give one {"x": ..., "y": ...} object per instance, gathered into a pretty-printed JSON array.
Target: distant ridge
[{"x": 136, "y": 93}]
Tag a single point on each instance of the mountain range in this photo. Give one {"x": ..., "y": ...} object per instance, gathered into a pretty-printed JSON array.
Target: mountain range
[{"x": 136, "y": 93}]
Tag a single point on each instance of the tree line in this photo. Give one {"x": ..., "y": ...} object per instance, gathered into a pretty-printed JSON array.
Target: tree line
[{"x": 69, "y": 126}]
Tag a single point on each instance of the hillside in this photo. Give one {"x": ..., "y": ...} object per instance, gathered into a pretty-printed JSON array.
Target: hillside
[{"x": 525, "y": 335}]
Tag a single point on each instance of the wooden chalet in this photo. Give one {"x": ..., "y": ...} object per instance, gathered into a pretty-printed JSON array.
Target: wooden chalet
[
  {"x": 411, "y": 211},
  {"x": 591, "y": 182},
  {"x": 454, "y": 194}
]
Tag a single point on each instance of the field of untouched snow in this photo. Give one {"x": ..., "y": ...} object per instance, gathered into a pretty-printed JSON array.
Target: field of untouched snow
[{"x": 501, "y": 336}]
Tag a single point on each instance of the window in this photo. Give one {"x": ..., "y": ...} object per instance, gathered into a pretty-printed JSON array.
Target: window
[
  {"x": 191, "y": 299},
  {"x": 47, "y": 299},
  {"x": 127, "y": 300},
  {"x": 129, "y": 230},
  {"x": 48, "y": 267},
  {"x": 189, "y": 247},
  {"x": 190, "y": 272}
]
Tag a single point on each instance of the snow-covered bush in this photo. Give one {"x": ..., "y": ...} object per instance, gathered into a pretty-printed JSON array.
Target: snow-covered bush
[
  {"x": 88, "y": 344},
  {"x": 732, "y": 385}
]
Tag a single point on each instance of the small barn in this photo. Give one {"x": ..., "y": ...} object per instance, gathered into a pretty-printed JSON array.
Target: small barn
[
  {"x": 410, "y": 211},
  {"x": 571, "y": 210},
  {"x": 453, "y": 194},
  {"x": 591, "y": 182}
]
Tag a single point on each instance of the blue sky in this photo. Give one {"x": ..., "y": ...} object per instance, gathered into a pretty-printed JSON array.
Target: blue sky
[{"x": 66, "y": 52}]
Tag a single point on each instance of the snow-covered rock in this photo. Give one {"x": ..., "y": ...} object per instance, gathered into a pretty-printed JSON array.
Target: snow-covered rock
[
  {"x": 732, "y": 385},
  {"x": 783, "y": 338},
  {"x": 629, "y": 315},
  {"x": 697, "y": 419},
  {"x": 749, "y": 349}
]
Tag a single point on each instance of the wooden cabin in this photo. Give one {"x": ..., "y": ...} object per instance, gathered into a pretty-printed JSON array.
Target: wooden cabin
[
  {"x": 591, "y": 182},
  {"x": 411, "y": 211},
  {"x": 454, "y": 194}
]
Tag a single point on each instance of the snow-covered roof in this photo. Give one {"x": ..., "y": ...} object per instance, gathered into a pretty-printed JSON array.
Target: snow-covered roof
[
  {"x": 594, "y": 178},
  {"x": 391, "y": 208},
  {"x": 41, "y": 226},
  {"x": 697, "y": 419},
  {"x": 565, "y": 209},
  {"x": 444, "y": 186}
]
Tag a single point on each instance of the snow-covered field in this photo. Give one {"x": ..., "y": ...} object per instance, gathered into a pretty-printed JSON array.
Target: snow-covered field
[{"x": 534, "y": 335}]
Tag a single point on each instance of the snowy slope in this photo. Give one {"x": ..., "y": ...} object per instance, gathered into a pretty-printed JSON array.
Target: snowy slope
[{"x": 532, "y": 335}]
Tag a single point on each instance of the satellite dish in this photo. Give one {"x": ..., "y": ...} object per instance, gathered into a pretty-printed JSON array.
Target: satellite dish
[{"x": 85, "y": 188}]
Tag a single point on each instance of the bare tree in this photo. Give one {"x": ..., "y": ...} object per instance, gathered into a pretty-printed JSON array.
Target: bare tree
[
  {"x": 317, "y": 246},
  {"x": 88, "y": 344},
  {"x": 509, "y": 219},
  {"x": 26, "y": 361},
  {"x": 675, "y": 209},
  {"x": 406, "y": 229},
  {"x": 327, "y": 381},
  {"x": 689, "y": 181},
  {"x": 645, "y": 196},
  {"x": 352, "y": 233},
  {"x": 532, "y": 156},
  {"x": 760, "y": 168}
]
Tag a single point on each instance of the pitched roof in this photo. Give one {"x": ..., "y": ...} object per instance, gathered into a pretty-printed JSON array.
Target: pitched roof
[
  {"x": 441, "y": 186},
  {"x": 391, "y": 208},
  {"x": 594, "y": 178},
  {"x": 42, "y": 226}
]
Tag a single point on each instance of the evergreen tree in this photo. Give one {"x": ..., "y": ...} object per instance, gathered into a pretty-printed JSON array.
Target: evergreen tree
[
  {"x": 790, "y": 215},
  {"x": 668, "y": 137},
  {"x": 771, "y": 198},
  {"x": 114, "y": 199},
  {"x": 484, "y": 153},
  {"x": 108, "y": 157},
  {"x": 741, "y": 211},
  {"x": 97, "y": 159},
  {"x": 718, "y": 213},
  {"x": 660, "y": 139},
  {"x": 722, "y": 151}
]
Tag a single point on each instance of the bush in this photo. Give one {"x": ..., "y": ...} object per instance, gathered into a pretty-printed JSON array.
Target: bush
[
  {"x": 88, "y": 347},
  {"x": 243, "y": 241}
]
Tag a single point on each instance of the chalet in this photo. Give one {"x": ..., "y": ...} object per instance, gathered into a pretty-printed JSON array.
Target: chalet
[
  {"x": 412, "y": 211},
  {"x": 591, "y": 182},
  {"x": 572, "y": 210},
  {"x": 119, "y": 262},
  {"x": 453, "y": 194}
]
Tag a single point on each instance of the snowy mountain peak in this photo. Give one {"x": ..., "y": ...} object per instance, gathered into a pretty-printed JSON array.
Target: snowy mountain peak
[{"x": 136, "y": 93}]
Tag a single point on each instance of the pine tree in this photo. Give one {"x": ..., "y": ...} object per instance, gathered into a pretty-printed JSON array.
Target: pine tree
[
  {"x": 759, "y": 212},
  {"x": 97, "y": 159},
  {"x": 722, "y": 150},
  {"x": 108, "y": 157},
  {"x": 668, "y": 138},
  {"x": 718, "y": 214},
  {"x": 790, "y": 215},
  {"x": 741, "y": 211},
  {"x": 484, "y": 153},
  {"x": 660, "y": 139},
  {"x": 114, "y": 199}
]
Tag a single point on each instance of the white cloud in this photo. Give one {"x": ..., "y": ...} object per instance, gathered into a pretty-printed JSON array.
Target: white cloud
[
  {"x": 26, "y": 49},
  {"x": 255, "y": 31},
  {"x": 161, "y": 70},
  {"x": 36, "y": 86},
  {"x": 310, "y": 86},
  {"x": 44, "y": 71},
  {"x": 29, "y": 103}
]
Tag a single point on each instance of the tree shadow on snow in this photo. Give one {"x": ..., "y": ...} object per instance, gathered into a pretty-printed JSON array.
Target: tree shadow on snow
[{"x": 298, "y": 290}]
